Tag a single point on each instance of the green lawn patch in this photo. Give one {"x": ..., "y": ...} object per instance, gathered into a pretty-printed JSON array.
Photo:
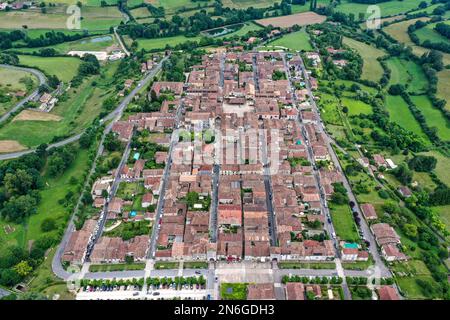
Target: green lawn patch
[
  {"x": 160, "y": 265},
  {"x": 294, "y": 41},
  {"x": 407, "y": 73},
  {"x": 233, "y": 291},
  {"x": 356, "y": 107},
  {"x": 65, "y": 68},
  {"x": 306, "y": 265},
  {"x": 343, "y": 223},
  {"x": 116, "y": 267},
  {"x": 433, "y": 116},
  {"x": 195, "y": 265}
]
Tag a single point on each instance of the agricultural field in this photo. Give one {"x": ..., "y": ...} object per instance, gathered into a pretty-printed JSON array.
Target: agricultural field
[
  {"x": 428, "y": 33},
  {"x": 433, "y": 116},
  {"x": 242, "y": 4},
  {"x": 388, "y": 8},
  {"x": 65, "y": 68},
  {"x": 160, "y": 43},
  {"x": 99, "y": 43},
  {"x": 93, "y": 18},
  {"x": 372, "y": 69},
  {"x": 12, "y": 81},
  {"x": 399, "y": 113},
  {"x": 407, "y": 73},
  {"x": 301, "y": 19},
  {"x": 442, "y": 86},
  {"x": 294, "y": 41},
  {"x": 172, "y": 6}
]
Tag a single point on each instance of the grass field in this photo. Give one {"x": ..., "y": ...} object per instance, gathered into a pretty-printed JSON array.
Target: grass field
[
  {"x": 65, "y": 68},
  {"x": 93, "y": 18},
  {"x": 410, "y": 287},
  {"x": 343, "y": 223},
  {"x": 442, "y": 87},
  {"x": 242, "y": 4},
  {"x": 140, "y": 12},
  {"x": 306, "y": 265},
  {"x": 428, "y": 33},
  {"x": 116, "y": 267},
  {"x": 249, "y": 26},
  {"x": 172, "y": 6},
  {"x": 301, "y": 19},
  {"x": 433, "y": 116},
  {"x": 400, "y": 114},
  {"x": 407, "y": 73},
  {"x": 160, "y": 265},
  {"x": 356, "y": 107},
  {"x": 294, "y": 41},
  {"x": 444, "y": 214},
  {"x": 233, "y": 291},
  {"x": 386, "y": 8},
  {"x": 160, "y": 43},
  {"x": 12, "y": 81},
  {"x": 372, "y": 69},
  {"x": 442, "y": 167}
]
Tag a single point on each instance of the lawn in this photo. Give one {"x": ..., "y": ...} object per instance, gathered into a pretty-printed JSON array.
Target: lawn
[
  {"x": 433, "y": 116},
  {"x": 246, "y": 28},
  {"x": 357, "y": 265},
  {"x": 400, "y": 114},
  {"x": 407, "y": 73},
  {"x": 159, "y": 265},
  {"x": 372, "y": 69},
  {"x": 233, "y": 291},
  {"x": 356, "y": 107},
  {"x": 306, "y": 265},
  {"x": 410, "y": 287},
  {"x": 343, "y": 223},
  {"x": 294, "y": 41},
  {"x": 195, "y": 265},
  {"x": 65, "y": 68},
  {"x": 116, "y": 267},
  {"x": 160, "y": 43}
]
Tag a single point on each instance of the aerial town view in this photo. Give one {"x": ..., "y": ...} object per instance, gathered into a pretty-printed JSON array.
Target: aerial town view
[{"x": 225, "y": 150}]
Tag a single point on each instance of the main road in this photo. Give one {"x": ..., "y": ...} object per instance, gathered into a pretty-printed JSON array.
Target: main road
[
  {"x": 42, "y": 80},
  {"x": 114, "y": 115}
]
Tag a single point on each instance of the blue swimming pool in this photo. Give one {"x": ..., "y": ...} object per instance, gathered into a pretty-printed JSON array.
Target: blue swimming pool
[{"x": 351, "y": 246}]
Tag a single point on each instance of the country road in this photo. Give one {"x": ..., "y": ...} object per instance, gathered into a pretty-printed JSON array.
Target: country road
[
  {"x": 42, "y": 80},
  {"x": 115, "y": 115}
]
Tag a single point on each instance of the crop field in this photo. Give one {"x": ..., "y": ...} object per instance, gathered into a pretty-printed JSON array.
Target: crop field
[
  {"x": 34, "y": 115},
  {"x": 301, "y": 19},
  {"x": 400, "y": 114},
  {"x": 372, "y": 69},
  {"x": 294, "y": 41},
  {"x": 7, "y": 146},
  {"x": 160, "y": 43},
  {"x": 386, "y": 8},
  {"x": 433, "y": 116},
  {"x": 93, "y": 18},
  {"x": 407, "y": 73},
  {"x": 65, "y": 68}
]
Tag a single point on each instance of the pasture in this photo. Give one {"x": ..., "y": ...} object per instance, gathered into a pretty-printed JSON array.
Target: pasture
[
  {"x": 242, "y": 4},
  {"x": 428, "y": 33},
  {"x": 442, "y": 87},
  {"x": 12, "y": 81},
  {"x": 407, "y": 73},
  {"x": 372, "y": 69},
  {"x": 65, "y": 68},
  {"x": 355, "y": 107},
  {"x": 388, "y": 8},
  {"x": 442, "y": 167},
  {"x": 301, "y": 19},
  {"x": 294, "y": 41},
  {"x": 160, "y": 43},
  {"x": 172, "y": 6},
  {"x": 433, "y": 116},
  {"x": 399, "y": 113}
]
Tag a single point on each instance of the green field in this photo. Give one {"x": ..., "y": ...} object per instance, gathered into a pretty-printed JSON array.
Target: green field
[
  {"x": 233, "y": 291},
  {"x": 246, "y": 28},
  {"x": 407, "y": 73},
  {"x": 444, "y": 214},
  {"x": 400, "y": 114},
  {"x": 78, "y": 111},
  {"x": 433, "y": 116},
  {"x": 386, "y": 8},
  {"x": 428, "y": 33},
  {"x": 160, "y": 43},
  {"x": 65, "y": 68},
  {"x": 242, "y": 4},
  {"x": 442, "y": 87},
  {"x": 343, "y": 222},
  {"x": 116, "y": 267},
  {"x": 356, "y": 107},
  {"x": 86, "y": 44},
  {"x": 93, "y": 18},
  {"x": 160, "y": 265},
  {"x": 372, "y": 69},
  {"x": 442, "y": 167},
  {"x": 12, "y": 81},
  {"x": 410, "y": 287},
  {"x": 306, "y": 265},
  {"x": 294, "y": 41}
]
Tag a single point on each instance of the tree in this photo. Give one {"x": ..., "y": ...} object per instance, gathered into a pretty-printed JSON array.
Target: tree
[
  {"x": 410, "y": 230},
  {"x": 23, "y": 268},
  {"x": 9, "y": 277},
  {"x": 48, "y": 224},
  {"x": 403, "y": 174},
  {"x": 422, "y": 163},
  {"x": 17, "y": 208},
  {"x": 18, "y": 183}
]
